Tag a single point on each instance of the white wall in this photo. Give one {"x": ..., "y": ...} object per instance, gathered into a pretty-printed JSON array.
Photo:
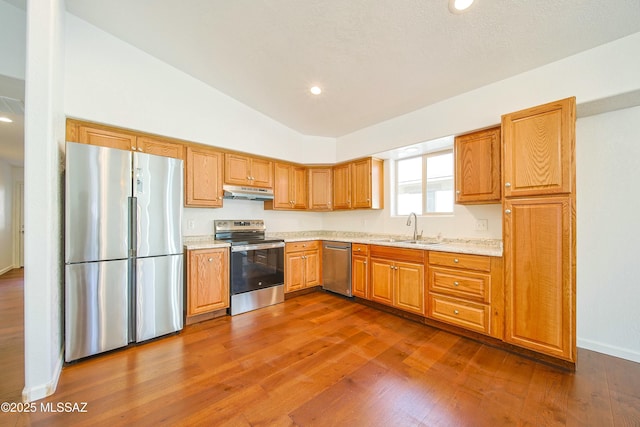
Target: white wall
[
  {"x": 44, "y": 139},
  {"x": 12, "y": 41},
  {"x": 608, "y": 202},
  {"x": 6, "y": 216},
  {"x": 275, "y": 221},
  {"x": 110, "y": 81},
  {"x": 602, "y": 72}
]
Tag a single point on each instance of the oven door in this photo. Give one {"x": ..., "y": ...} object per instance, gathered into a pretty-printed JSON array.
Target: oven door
[{"x": 256, "y": 266}]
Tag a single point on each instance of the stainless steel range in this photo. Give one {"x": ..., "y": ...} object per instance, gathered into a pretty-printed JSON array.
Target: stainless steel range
[{"x": 257, "y": 264}]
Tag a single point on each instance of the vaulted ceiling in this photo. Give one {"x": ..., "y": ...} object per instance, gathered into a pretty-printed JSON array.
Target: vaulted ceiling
[{"x": 374, "y": 59}]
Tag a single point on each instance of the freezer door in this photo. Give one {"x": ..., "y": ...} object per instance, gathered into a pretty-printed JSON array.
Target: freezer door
[
  {"x": 157, "y": 186},
  {"x": 159, "y": 296},
  {"x": 97, "y": 186},
  {"x": 96, "y": 308}
]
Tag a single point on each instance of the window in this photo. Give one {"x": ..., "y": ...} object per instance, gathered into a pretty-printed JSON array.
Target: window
[{"x": 424, "y": 184}]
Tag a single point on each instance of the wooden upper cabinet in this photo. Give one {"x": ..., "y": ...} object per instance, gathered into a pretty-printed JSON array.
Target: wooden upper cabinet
[
  {"x": 290, "y": 187},
  {"x": 320, "y": 188},
  {"x": 101, "y": 135},
  {"x": 477, "y": 167},
  {"x": 539, "y": 149},
  {"x": 246, "y": 170},
  {"x": 358, "y": 184},
  {"x": 367, "y": 184},
  {"x": 203, "y": 177},
  {"x": 160, "y": 147},
  {"x": 106, "y": 136},
  {"x": 342, "y": 186},
  {"x": 540, "y": 275}
]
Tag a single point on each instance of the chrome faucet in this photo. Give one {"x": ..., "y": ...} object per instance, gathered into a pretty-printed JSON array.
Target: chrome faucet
[{"x": 415, "y": 225}]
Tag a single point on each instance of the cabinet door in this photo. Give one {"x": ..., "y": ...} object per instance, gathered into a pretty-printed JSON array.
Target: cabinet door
[
  {"x": 409, "y": 287},
  {"x": 360, "y": 276},
  {"x": 294, "y": 271},
  {"x": 261, "y": 173},
  {"x": 160, "y": 148},
  {"x": 342, "y": 186},
  {"x": 539, "y": 149},
  {"x": 106, "y": 138},
  {"x": 281, "y": 195},
  {"x": 203, "y": 177},
  {"x": 208, "y": 280},
  {"x": 361, "y": 187},
  {"x": 237, "y": 169},
  {"x": 312, "y": 268},
  {"x": 477, "y": 167},
  {"x": 320, "y": 189},
  {"x": 382, "y": 274},
  {"x": 298, "y": 187},
  {"x": 540, "y": 276}
]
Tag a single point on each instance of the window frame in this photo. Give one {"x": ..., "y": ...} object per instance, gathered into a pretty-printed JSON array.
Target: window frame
[{"x": 424, "y": 157}]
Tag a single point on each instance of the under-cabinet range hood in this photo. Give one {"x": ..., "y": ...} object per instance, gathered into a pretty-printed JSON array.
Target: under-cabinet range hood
[{"x": 247, "y": 193}]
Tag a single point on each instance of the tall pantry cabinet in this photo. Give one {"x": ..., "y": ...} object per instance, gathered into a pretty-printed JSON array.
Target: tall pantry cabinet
[{"x": 540, "y": 228}]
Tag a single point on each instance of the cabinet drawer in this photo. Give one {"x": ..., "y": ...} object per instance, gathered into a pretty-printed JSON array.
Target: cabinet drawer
[
  {"x": 461, "y": 284},
  {"x": 470, "y": 262},
  {"x": 466, "y": 314},
  {"x": 359, "y": 249},
  {"x": 302, "y": 246}
]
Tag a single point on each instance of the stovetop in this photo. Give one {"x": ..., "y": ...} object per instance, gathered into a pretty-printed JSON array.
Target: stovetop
[{"x": 242, "y": 232}]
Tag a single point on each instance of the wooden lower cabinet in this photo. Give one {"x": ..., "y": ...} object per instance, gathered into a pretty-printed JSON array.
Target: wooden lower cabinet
[
  {"x": 540, "y": 275},
  {"x": 397, "y": 278},
  {"x": 466, "y": 291},
  {"x": 207, "y": 280},
  {"x": 360, "y": 270},
  {"x": 302, "y": 265}
]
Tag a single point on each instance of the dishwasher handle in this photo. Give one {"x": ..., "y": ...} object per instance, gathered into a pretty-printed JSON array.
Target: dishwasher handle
[{"x": 340, "y": 248}]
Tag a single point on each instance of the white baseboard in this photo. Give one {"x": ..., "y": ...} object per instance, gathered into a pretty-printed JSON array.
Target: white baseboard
[
  {"x": 31, "y": 394},
  {"x": 611, "y": 350},
  {"x": 6, "y": 269}
]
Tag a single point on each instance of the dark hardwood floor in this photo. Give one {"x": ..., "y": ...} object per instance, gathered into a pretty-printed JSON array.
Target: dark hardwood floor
[
  {"x": 320, "y": 360},
  {"x": 11, "y": 336}
]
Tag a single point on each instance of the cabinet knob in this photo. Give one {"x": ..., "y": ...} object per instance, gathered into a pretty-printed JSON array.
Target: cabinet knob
[
  {"x": 456, "y": 312},
  {"x": 507, "y": 184},
  {"x": 139, "y": 149},
  {"x": 456, "y": 283},
  {"x": 365, "y": 263},
  {"x": 133, "y": 148},
  {"x": 507, "y": 211},
  {"x": 456, "y": 260},
  {"x": 210, "y": 259},
  {"x": 457, "y": 191},
  {"x": 359, "y": 249}
]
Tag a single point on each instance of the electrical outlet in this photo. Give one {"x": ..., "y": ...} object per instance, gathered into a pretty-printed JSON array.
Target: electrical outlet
[
  {"x": 482, "y": 225},
  {"x": 191, "y": 225}
]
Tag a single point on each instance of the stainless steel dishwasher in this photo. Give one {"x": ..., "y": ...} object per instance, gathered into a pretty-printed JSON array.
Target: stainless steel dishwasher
[{"x": 336, "y": 267}]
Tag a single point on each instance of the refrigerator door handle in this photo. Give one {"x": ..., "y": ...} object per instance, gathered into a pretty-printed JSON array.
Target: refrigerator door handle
[
  {"x": 139, "y": 181},
  {"x": 133, "y": 225}
]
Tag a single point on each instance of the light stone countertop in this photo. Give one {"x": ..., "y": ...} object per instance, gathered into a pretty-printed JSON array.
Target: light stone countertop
[
  {"x": 203, "y": 242},
  {"x": 487, "y": 247}
]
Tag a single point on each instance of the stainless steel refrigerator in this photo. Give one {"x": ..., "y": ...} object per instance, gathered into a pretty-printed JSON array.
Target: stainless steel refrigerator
[{"x": 123, "y": 248}]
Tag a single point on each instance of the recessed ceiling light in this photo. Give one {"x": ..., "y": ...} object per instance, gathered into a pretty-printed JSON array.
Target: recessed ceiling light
[
  {"x": 459, "y": 6},
  {"x": 315, "y": 90},
  {"x": 6, "y": 120}
]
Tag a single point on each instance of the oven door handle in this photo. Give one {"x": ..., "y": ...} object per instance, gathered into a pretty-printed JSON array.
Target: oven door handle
[{"x": 257, "y": 246}]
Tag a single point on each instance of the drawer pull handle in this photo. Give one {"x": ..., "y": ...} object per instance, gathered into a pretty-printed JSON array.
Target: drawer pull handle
[
  {"x": 456, "y": 312},
  {"x": 456, "y": 283}
]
